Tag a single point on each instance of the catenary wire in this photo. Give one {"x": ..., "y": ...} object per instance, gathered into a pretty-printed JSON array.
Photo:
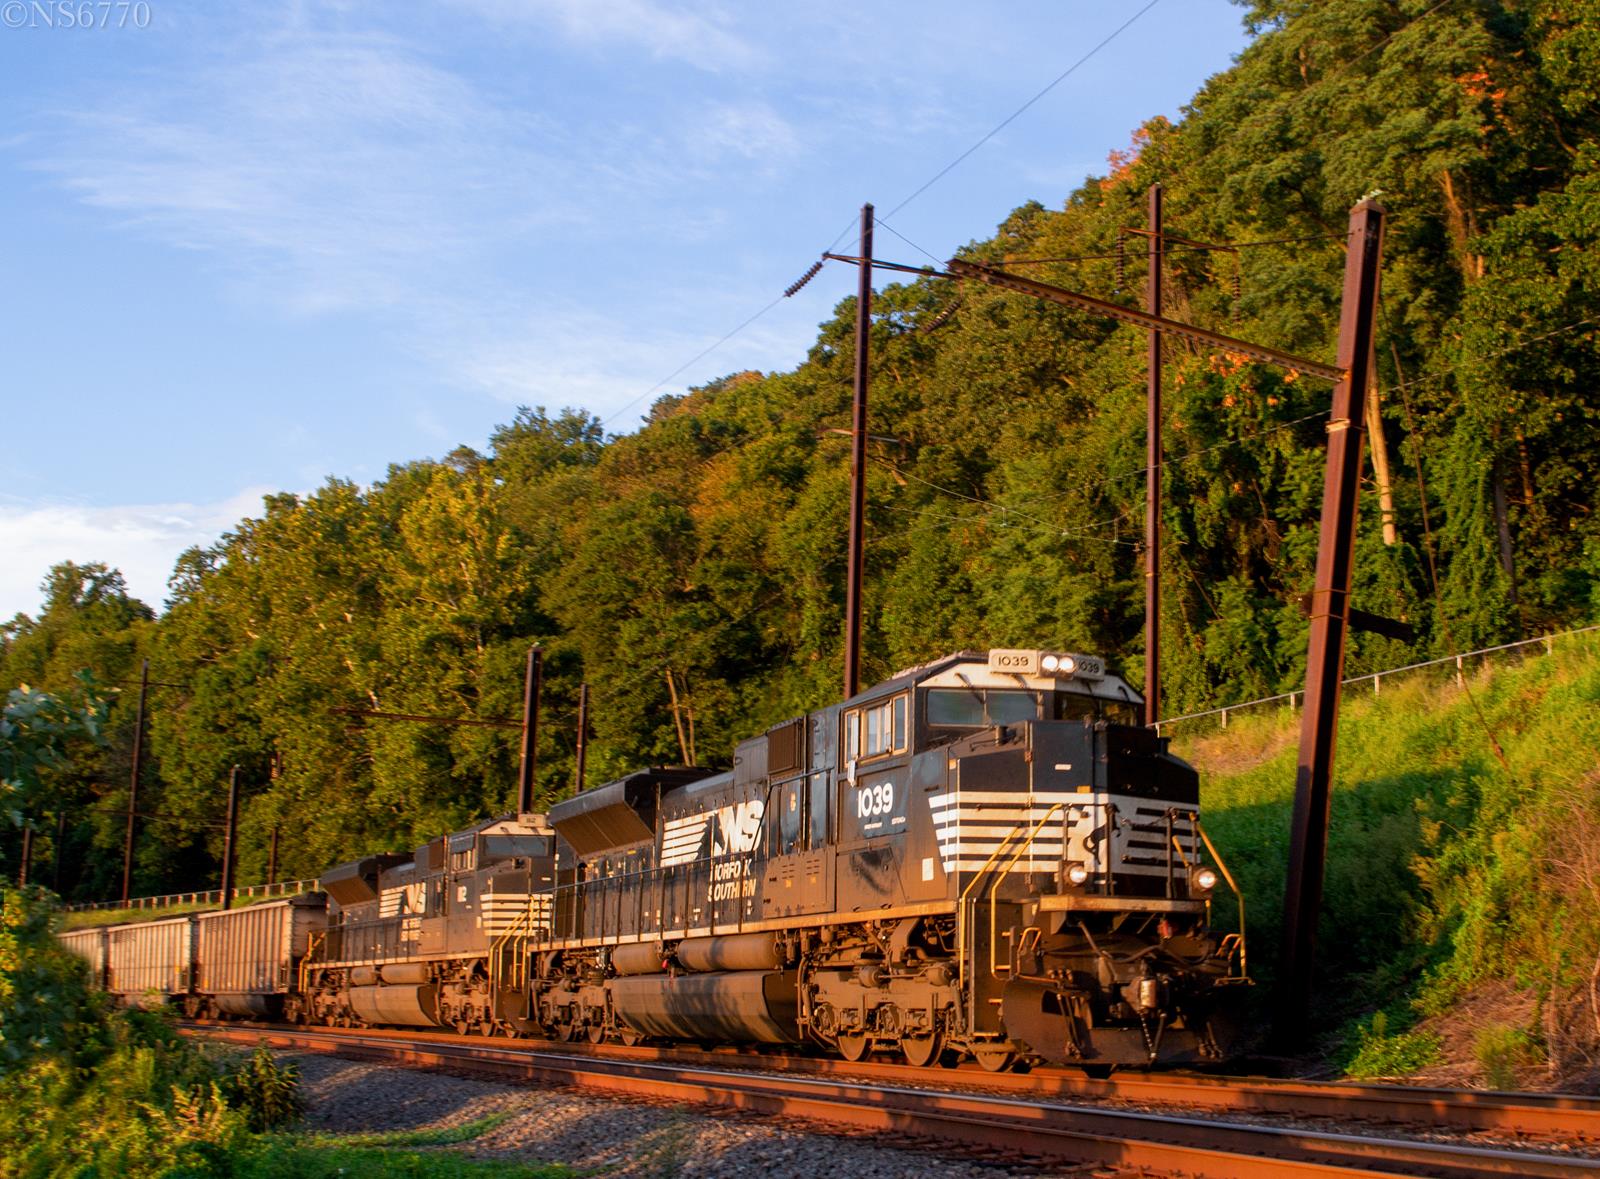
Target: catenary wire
[
  {"x": 695, "y": 359},
  {"x": 927, "y": 184},
  {"x": 1009, "y": 119}
]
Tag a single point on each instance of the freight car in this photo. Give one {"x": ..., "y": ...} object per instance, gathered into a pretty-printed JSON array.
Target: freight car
[
  {"x": 985, "y": 855},
  {"x": 89, "y": 945},
  {"x": 151, "y": 964}
]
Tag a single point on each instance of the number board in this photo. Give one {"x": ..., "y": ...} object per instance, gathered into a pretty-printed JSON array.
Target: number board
[
  {"x": 1014, "y": 662},
  {"x": 877, "y": 805}
]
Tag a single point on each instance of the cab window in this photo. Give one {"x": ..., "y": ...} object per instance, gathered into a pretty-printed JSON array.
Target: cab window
[
  {"x": 974, "y": 707},
  {"x": 876, "y": 730},
  {"x": 1074, "y": 706}
]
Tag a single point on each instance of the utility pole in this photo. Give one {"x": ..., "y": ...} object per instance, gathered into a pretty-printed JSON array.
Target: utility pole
[
  {"x": 1330, "y": 620},
  {"x": 229, "y": 839},
  {"x": 55, "y": 854},
  {"x": 858, "y": 463},
  {"x": 133, "y": 784},
  {"x": 531, "y": 682},
  {"x": 1152, "y": 487},
  {"x": 272, "y": 857},
  {"x": 27, "y": 855},
  {"x": 583, "y": 731}
]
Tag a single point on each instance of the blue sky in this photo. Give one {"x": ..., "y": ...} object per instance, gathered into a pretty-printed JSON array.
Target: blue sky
[{"x": 246, "y": 247}]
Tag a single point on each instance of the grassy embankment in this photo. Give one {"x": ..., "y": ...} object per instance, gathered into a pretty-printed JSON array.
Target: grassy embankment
[{"x": 1462, "y": 908}]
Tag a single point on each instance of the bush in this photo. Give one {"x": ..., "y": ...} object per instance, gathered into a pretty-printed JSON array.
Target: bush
[
  {"x": 1379, "y": 1054},
  {"x": 265, "y": 1092},
  {"x": 1502, "y": 1051}
]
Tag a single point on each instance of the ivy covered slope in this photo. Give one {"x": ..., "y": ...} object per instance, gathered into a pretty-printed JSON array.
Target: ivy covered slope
[
  {"x": 1461, "y": 930},
  {"x": 702, "y": 557}
]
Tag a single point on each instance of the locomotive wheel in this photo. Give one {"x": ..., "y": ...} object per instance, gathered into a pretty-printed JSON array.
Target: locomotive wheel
[
  {"x": 568, "y": 1032},
  {"x": 597, "y": 1033},
  {"x": 631, "y": 1037},
  {"x": 921, "y": 1051},
  {"x": 854, "y": 1048},
  {"x": 995, "y": 1060}
]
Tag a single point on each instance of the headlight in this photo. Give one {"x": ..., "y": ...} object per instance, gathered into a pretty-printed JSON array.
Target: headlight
[
  {"x": 1077, "y": 873},
  {"x": 1204, "y": 880},
  {"x": 1057, "y": 664}
]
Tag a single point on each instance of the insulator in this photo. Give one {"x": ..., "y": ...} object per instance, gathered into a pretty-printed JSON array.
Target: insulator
[
  {"x": 1238, "y": 291},
  {"x": 942, "y": 318},
  {"x": 810, "y": 274},
  {"x": 1122, "y": 265}
]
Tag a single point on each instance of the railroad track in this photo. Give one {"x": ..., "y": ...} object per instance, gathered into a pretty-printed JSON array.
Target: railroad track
[{"x": 1022, "y": 1115}]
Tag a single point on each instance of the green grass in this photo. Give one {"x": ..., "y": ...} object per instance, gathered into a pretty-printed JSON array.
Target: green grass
[
  {"x": 293, "y": 1158},
  {"x": 450, "y": 1136},
  {"x": 393, "y": 1152},
  {"x": 1449, "y": 862}
]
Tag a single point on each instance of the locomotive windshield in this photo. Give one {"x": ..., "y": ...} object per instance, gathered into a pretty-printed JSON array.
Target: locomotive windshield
[
  {"x": 977, "y": 707},
  {"x": 981, "y": 706}
]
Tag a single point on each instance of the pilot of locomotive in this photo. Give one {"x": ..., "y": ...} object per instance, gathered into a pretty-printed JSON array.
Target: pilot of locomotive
[{"x": 983, "y": 855}]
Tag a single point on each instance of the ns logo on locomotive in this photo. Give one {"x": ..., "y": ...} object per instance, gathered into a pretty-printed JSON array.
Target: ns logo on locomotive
[{"x": 986, "y": 855}]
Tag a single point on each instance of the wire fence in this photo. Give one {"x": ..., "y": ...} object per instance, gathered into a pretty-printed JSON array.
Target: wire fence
[
  {"x": 1455, "y": 666},
  {"x": 282, "y": 888}
]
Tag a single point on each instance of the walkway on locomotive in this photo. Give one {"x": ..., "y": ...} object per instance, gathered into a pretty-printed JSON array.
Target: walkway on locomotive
[{"x": 888, "y": 805}]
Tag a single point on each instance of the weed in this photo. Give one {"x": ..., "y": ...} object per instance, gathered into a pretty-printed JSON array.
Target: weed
[{"x": 1502, "y": 1051}]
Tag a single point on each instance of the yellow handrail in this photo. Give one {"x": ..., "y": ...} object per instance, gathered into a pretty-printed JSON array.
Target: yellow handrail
[
  {"x": 311, "y": 952},
  {"x": 1244, "y": 965},
  {"x": 1026, "y": 843}
]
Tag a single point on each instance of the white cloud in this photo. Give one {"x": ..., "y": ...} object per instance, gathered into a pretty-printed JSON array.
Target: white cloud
[
  {"x": 753, "y": 130},
  {"x": 142, "y": 540},
  {"x": 703, "y": 39},
  {"x": 579, "y": 359},
  {"x": 329, "y": 170}
]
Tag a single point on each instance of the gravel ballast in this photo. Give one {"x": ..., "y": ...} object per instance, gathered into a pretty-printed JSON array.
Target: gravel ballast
[{"x": 609, "y": 1137}]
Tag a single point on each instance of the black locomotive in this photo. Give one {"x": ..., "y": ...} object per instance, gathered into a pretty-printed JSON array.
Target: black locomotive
[{"x": 986, "y": 855}]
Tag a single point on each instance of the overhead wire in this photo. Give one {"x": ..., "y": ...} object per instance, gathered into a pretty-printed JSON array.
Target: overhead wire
[
  {"x": 922, "y": 188},
  {"x": 1012, "y": 117},
  {"x": 695, "y": 359}
]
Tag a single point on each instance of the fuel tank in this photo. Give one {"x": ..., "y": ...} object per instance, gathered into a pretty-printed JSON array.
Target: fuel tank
[
  {"x": 409, "y": 1006},
  {"x": 732, "y": 1005}
]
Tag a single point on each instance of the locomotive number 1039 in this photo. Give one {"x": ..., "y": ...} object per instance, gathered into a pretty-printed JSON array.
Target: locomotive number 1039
[{"x": 875, "y": 800}]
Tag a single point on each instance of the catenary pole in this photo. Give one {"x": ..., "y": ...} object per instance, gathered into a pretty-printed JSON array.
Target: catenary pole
[
  {"x": 1330, "y": 615},
  {"x": 858, "y": 463},
  {"x": 230, "y": 839},
  {"x": 133, "y": 782},
  {"x": 1152, "y": 488},
  {"x": 583, "y": 732},
  {"x": 530, "y": 730}
]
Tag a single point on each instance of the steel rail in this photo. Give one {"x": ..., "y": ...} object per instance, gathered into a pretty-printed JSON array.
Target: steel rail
[
  {"x": 1563, "y": 1117},
  {"x": 1191, "y": 1145}
]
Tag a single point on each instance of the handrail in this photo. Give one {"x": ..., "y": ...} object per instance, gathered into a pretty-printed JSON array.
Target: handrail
[
  {"x": 963, "y": 936},
  {"x": 1244, "y": 964},
  {"x": 307, "y": 959},
  {"x": 1023, "y": 845}
]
